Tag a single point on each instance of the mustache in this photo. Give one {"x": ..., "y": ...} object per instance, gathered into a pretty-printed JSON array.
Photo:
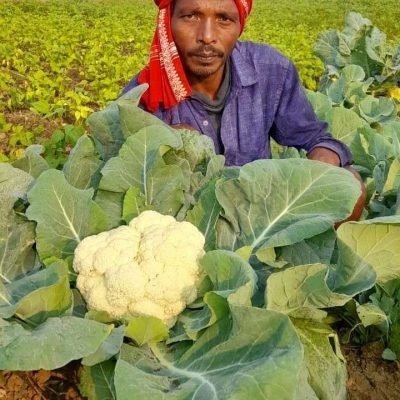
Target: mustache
[{"x": 206, "y": 51}]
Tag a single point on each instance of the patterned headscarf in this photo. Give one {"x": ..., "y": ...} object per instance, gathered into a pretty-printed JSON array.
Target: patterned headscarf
[{"x": 164, "y": 73}]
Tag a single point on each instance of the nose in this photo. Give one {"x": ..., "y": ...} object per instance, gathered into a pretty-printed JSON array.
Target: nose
[{"x": 206, "y": 33}]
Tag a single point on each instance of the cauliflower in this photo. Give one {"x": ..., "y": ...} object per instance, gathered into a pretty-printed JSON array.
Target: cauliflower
[{"x": 150, "y": 267}]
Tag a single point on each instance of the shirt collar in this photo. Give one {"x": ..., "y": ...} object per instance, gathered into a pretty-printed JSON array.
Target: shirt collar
[{"x": 243, "y": 73}]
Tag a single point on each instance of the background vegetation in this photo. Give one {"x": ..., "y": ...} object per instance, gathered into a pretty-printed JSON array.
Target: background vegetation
[{"x": 61, "y": 60}]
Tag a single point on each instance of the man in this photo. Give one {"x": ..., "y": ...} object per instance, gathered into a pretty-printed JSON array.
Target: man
[{"x": 240, "y": 94}]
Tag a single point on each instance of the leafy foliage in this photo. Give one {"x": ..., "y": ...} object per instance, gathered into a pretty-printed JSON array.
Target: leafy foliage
[
  {"x": 261, "y": 316},
  {"x": 68, "y": 58}
]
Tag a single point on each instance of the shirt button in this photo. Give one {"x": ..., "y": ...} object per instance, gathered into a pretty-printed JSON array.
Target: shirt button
[{"x": 205, "y": 123}]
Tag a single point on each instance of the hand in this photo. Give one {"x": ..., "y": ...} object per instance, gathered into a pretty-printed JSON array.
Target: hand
[
  {"x": 359, "y": 207},
  {"x": 324, "y": 155},
  {"x": 330, "y": 157}
]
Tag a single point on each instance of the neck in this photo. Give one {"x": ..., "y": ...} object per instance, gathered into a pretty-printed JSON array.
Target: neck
[{"x": 208, "y": 85}]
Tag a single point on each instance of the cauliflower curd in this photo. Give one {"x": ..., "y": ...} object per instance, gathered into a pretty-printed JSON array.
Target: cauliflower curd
[{"x": 149, "y": 267}]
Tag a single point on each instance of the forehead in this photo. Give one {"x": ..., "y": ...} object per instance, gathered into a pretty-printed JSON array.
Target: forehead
[{"x": 217, "y": 5}]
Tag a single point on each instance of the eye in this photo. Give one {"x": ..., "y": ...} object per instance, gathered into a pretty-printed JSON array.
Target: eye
[
  {"x": 189, "y": 17},
  {"x": 224, "y": 18}
]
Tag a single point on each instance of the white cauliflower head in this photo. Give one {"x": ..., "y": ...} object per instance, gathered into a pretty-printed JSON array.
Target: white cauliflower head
[{"x": 150, "y": 267}]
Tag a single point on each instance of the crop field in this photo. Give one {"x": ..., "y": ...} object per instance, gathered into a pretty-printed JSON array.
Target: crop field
[
  {"x": 61, "y": 60},
  {"x": 134, "y": 264}
]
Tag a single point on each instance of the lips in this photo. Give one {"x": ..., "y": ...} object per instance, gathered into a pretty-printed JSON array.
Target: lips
[
  {"x": 205, "y": 58},
  {"x": 206, "y": 52},
  {"x": 206, "y": 55}
]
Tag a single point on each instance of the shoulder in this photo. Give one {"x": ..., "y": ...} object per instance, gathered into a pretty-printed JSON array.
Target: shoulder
[
  {"x": 262, "y": 54},
  {"x": 130, "y": 85}
]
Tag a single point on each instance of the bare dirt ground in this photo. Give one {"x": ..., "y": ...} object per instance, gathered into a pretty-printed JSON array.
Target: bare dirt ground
[
  {"x": 370, "y": 378},
  {"x": 61, "y": 384}
]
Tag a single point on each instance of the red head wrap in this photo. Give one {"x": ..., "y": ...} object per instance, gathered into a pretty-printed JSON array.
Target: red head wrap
[{"x": 164, "y": 73}]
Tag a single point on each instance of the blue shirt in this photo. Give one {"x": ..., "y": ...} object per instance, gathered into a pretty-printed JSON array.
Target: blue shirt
[{"x": 266, "y": 100}]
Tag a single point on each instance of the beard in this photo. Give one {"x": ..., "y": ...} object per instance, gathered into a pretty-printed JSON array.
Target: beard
[{"x": 203, "y": 61}]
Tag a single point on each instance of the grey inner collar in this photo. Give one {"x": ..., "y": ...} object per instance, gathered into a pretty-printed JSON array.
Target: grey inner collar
[{"x": 217, "y": 105}]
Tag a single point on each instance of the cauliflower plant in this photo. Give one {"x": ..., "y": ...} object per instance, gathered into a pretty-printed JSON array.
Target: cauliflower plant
[{"x": 149, "y": 267}]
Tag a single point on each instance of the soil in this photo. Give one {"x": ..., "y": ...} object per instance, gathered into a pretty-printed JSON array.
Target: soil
[
  {"x": 60, "y": 384},
  {"x": 369, "y": 378}
]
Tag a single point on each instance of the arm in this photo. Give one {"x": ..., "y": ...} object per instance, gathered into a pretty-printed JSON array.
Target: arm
[
  {"x": 360, "y": 204},
  {"x": 296, "y": 124},
  {"x": 330, "y": 157},
  {"x": 324, "y": 155}
]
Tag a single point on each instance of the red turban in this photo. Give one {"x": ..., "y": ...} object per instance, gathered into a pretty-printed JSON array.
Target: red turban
[{"x": 164, "y": 73}]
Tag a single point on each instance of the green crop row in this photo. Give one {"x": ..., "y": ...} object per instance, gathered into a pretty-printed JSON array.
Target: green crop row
[{"x": 61, "y": 60}]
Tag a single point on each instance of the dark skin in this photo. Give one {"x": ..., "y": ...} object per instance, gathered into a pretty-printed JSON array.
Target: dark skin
[{"x": 205, "y": 33}]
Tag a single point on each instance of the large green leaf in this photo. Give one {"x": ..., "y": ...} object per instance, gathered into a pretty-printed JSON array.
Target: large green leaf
[
  {"x": 140, "y": 165},
  {"x": 370, "y": 314},
  {"x": 133, "y": 118},
  {"x": 37, "y": 296},
  {"x": 106, "y": 131},
  {"x": 380, "y": 109},
  {"x": 64, "y": 215},
  {"x": 205, "y": 214},
  {"x": 52, "y": 345},
  {"x": 192, "y": 322},
  {"x": 280, "y": 202},
  {"x": 327, "y": 48},
  {"x": 231, "y": 276},
  {"x": 392, "y": 183},
  {"x": 83, "y": 164},
  {"x": 353, "y": 274},
  {"x": 323, "y": 359},
  {"x": 231, "y": 280},
  {"x": 301, "y": 287},
  {"x": 344, "y": 123},
  {"x": 134, "y": 204},
  {"x": 391, "y": 130},
  {"x": 32, "y": 162},
  {"x": 146, "y": 329},
  {"x": 360, "y": 44},
  {"x": 109, "y": 348},
  {"x": 353, "y": 73},
  {"x": 106, "y": 127},
  {"x": 138, "y": 156},
  {"x": 304, "y": 389},
  {"x": 16, "y": 234},
  {"x": 317, "y": 249},
  {"x": 369, "y": 148},
  {"x": 366, "y": 43},
  {"x": 375, "y": 241},
  {"x": 336, "y": 91},
  {"x": 226, "y": 235},
  {"x": 17, "y": 255},
  {"x": 97, "y": 382},
  {"x": 321, "y": 103},
  {"x": 257, "y": 356},
  {"x": 14, "y": 184},
  {"x": 111, "y": 203}
]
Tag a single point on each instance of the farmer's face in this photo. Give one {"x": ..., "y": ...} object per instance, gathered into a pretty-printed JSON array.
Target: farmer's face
[{"x": 205, "y": 33}]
